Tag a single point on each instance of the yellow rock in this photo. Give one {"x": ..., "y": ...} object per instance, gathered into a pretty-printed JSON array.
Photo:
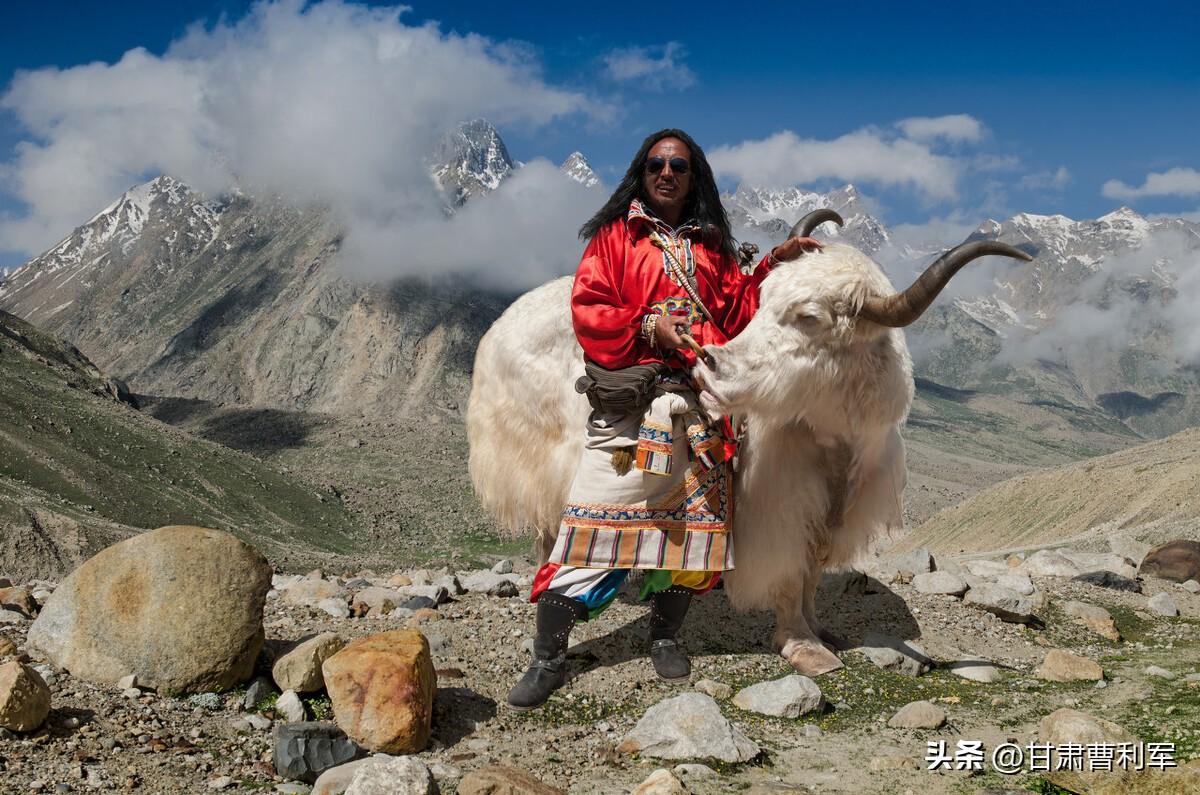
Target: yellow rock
[{"x": 381, "y": 688}]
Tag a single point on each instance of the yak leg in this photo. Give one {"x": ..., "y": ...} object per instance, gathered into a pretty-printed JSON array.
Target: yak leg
[
  {"x": 798, "y": 644},
  {"x": 832, "y": 640},
  {"x": 544, "y": 545}
]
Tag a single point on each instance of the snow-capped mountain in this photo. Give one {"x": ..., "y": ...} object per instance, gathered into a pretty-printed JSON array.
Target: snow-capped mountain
[
  {"x": 770, "y": 212},
  {"x": 75, "y": 263},
  {"x": 470, "y": 161},
  {"x": 577, "y": 168},
  {"x": 234, "y": 299},
  {"x": 1069, "y": 253}
]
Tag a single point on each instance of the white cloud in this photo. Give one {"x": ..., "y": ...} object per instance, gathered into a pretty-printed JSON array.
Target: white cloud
[
  {"x": 955, "y": 127},
  {"x": 1056, "y": 180},
  {"x": 1174, "y": 182},
  {"x": 660, "y": 68},
  {"x": 330, "y": 103},
  {"x": 866, "y": 155}
]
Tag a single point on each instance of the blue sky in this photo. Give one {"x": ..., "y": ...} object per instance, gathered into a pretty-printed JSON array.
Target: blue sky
[{"x": 1058, "y": 99}]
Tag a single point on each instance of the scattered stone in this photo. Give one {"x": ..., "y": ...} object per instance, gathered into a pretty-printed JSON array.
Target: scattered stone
[
  {"x": 688, "y": 726},
  {"x": 918, "y": 715},
  {"x": 1107, "y": 579},
  {"x": 435, "y": 593},
  {"x": 304, "y": 750},
  {"x": 452, "y": 585},
  {"x": 19, "y": 599},
  {"x": 401, "y": 775},
  {"x": 419, "y": 603},
  {"x": 718, "y": 690},
  {"x": 1064, "y": 726},
  {"x": 335, "y": 606},
  {"x": 1162, "y": 673},
  {"x": 660, "y": 782},
  {"x": 891, "y": 653},
  {"x": 1015, "y": 559},
  {"x": 399, "y": 581},
  {"x": 939, "y": 582},
  {"x": 7, "y": 647},
  {"x": 1017, "y": 583},
  {"x": 1049, "y": 563},
  {"x": 127, "y": 682},
  {"x": 1095, "y": 618},
  {"x": 290, "y": 707},
  {"x": 1175, "y": 560},
  {"x": 299, "y": 668},
  {"x": 381, "y": 687},
  {"x": 1063, "y": 666},
  {"x": 220, "y": 782},
  {"x": 987, "y": 568},
  {"x": 694, "y": 770},
  {"x": 1002, "y": 603},
  {"x": 503, "y": 567},
  {"x": 1163, "y": 604},
  {"x": 976, "y": 670},
  {"x": 1091, "y": 562},
  {"x": 108, "y": 617},
  {"x": 24, "y": 697},
  {"x": 918, "y": 561},
  {"x": 381, "y": 600},
  {"x": 789, "y": 697},
  {"x": 491, "y": 583},
  {"x": 1191, "y": 586},
  {"x": 257, "y": 722},
  {"x": 503, "y": 780},
  {"x": 311, "y": 592},
  {"x": 258, "y": 691},
  {"x": 335, "y": 780}
]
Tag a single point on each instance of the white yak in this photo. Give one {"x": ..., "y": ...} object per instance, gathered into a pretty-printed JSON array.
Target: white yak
[{"x": 822, "y": 381}]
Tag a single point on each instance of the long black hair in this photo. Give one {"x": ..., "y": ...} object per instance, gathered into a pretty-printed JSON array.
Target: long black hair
[{"x": 703, "y": 200}]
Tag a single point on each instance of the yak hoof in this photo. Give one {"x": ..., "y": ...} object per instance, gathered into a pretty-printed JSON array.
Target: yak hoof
[{"x": 811, "y": 659}]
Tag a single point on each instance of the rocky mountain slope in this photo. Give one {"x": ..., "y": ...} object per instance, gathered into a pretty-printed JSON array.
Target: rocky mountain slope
[
  {"x": 80, "y": 468},
  {"x": 235, "y": 302},
  {"x": 1150, "y": 489}
]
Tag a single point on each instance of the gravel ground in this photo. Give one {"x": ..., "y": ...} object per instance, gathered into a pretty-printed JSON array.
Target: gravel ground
[{"x": 99, "y": 740}]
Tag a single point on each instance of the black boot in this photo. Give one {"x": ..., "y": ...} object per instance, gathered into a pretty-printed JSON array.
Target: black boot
[
  {"x": 666, "y": 617},
  {"x": 548, "y": 670}
]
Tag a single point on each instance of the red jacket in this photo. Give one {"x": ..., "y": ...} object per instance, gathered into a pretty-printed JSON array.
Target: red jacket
[{"x": 623, "y": 277}]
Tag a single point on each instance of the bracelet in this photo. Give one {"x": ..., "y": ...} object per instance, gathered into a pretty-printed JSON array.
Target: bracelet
[{"x": 649, "y": 324}]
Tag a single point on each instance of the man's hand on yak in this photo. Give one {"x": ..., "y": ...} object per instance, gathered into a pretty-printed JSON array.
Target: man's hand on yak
[
  {"x": 792, "y": 248},
  {"x": 667, "y": 331}
]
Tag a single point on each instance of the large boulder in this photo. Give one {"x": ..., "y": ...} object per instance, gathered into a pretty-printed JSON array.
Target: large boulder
[
  {"x": 1175, "y": 560},
  {"x": 178, "y": 607},
  {"x": 381, "y": 688}
]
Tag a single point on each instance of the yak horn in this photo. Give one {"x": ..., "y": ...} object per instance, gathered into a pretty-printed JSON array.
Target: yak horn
[
  {"x": 805, "y": 226},
  {"x": 901, "y": 309}
]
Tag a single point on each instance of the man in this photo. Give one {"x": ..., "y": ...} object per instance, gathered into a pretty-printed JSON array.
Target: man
[{"x": 652, "y": 489}]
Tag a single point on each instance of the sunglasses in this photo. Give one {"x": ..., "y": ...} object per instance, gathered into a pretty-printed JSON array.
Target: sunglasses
[{"x": 656, "y": 164}]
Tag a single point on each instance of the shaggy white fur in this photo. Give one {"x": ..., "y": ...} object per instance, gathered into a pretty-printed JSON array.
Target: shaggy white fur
[{"x": 822, "y": 393}]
